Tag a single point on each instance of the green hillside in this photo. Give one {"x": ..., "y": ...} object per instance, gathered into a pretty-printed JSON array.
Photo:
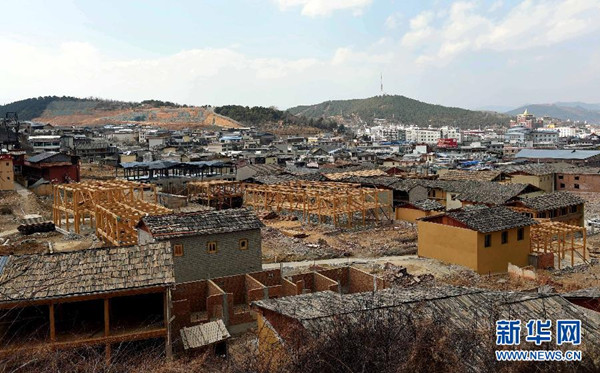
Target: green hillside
[{"x": 402, "y": 109}]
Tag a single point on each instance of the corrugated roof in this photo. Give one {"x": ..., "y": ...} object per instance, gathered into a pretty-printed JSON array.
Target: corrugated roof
[
  {"x": 557, "y": 154},
  {"x": 198, "y": 223}
]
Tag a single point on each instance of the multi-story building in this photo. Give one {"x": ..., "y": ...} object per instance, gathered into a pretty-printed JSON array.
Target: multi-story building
[
  {"x": 45, "y": 143},
  {"x": 7, "y": 175}
]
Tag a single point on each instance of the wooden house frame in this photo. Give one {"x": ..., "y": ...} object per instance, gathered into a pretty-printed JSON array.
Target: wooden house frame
[
  {"x": 558, "y": 238},
  {"x": 322, "y": 202}
]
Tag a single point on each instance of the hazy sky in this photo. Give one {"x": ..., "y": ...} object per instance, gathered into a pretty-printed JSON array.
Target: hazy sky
[{"x": 291, "y": 52}]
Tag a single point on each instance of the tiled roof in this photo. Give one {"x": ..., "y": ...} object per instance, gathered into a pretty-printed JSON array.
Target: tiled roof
[
  {"x": 428, "y": 205},
  {"x": 484, "y": 175},
  {"x": 491, "y": 219},
  {"x": 530, "y": 168},
  {"x": 491, "y": 192},
  {"x": 59, "y": 275},
  {"x": 198, "y": 223},
  {"x": 204, "y": 334},
  {"x": 552, "y": 201}
]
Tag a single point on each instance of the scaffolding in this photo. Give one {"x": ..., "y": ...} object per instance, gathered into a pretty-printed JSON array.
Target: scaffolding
[
  {"x": 338, "y": 204},
  {"x": 219, "y": 194},
  {"x": 558, "y": 238},
  {"x": 112, "y": 208}
]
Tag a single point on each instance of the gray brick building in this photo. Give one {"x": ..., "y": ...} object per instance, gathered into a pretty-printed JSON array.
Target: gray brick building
[{"x": 207, "y": 244}]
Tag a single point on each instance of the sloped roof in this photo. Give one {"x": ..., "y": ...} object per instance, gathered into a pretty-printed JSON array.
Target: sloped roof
[
  {"x": 492, "y": 193},
  {"x": 199, "y": 223},
  {"x": 492, "y": 219},
  {"x": 41, "y": 157},
  {"x": 428, "y": 205},
  {"x": 59, "y": 275},
  {"x": 557, "y": 154},
  {"x": 465, "y": 307},
  {"x": 204, "y": 334},
  {"x": 483, "y": 175},
  {"x": 552, "y": 201},
  {"x": 530, "y": 168}
]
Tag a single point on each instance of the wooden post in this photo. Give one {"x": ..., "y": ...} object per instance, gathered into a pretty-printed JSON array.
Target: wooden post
[
  {"x": 106, "y": 317},
  {"x": 52, "y": 324}
]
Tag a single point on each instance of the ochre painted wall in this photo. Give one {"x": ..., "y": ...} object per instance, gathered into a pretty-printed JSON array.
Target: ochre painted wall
[
  {"x": 544, "y": 182},
  {"x": 449, "y": 244},
  {"x": 466, "y": 247},
  {"x": 411, "y": 215},
  {"x": 495, "y": 259}
]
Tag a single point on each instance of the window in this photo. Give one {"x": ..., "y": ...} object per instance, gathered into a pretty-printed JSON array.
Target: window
[
  {"x": 504, "y": 237},
  {"x": 243, "y": 244},
  {"x": 560, "y": 177},
  {"x": 178, "y": 250},
  {"x": 562, "y": 185},
  {"x": 211, "y": 247},
  {"x": 576, "y": 186},
  {"x": 520, "y": 234},
  {"x": 542, "y": 215},
  {"x": 573, "y": 209},
  {"x": 576, "y": 177},
  {"x": 488, "y": 240}
]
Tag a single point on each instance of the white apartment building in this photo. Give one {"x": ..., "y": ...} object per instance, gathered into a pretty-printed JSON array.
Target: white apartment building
[
  {"x": 45, "y": 143},
  {"x": 427, "y": 136}
]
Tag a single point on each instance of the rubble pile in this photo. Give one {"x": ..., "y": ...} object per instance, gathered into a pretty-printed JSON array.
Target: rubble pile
[{"x": 399, "y": 276}]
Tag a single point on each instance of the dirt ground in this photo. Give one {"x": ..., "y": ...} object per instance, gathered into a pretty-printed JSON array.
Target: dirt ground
[
  {"x": 14, "y": 205},
  {"x": 91, "y": 171},
  {"x": 285, "y": 240}
]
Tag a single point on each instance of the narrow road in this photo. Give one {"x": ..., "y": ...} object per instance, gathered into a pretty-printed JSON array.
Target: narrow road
[{"x": 338, "y": 261}]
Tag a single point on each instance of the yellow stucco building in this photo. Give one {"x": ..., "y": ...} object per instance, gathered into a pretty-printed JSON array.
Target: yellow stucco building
[{"x": 484, "y": 239}]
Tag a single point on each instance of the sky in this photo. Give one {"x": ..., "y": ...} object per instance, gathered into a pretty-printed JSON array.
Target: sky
[{"x": 283, "y": 53}]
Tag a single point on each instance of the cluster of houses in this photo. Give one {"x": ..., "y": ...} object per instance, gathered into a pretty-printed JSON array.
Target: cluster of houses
[{"x": 195, "y": 278}]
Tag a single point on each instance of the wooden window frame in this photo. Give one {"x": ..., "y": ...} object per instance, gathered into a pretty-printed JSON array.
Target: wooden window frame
[
  {"x": 178, "y": 249},
  {"x": 487, "y": 240},
  {"x": 242, "y": 240},
  {"x": 208, "y": 245}
]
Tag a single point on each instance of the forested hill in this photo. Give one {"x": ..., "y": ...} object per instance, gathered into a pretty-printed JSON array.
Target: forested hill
[{"x": 402, "y": 109}]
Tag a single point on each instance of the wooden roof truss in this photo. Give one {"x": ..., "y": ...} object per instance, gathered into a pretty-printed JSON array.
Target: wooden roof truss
[
  {"x": 322, "y": 202},
  {"x": 216, "y": 193},
  {"x": 112, "y": 208},
  {"x": 559, "y": 238}
]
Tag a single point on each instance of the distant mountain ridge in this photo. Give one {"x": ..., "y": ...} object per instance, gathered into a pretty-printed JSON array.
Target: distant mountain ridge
[
  {"x": 402, "y": 109},
  {"x": 73, "y": 111},
  {"x": 574, "y": 111}
]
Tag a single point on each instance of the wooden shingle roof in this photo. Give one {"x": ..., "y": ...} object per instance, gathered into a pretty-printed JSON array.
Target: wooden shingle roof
[
  {"x": 59, "y": 275},
  {"x": 164, "y": 227}
]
